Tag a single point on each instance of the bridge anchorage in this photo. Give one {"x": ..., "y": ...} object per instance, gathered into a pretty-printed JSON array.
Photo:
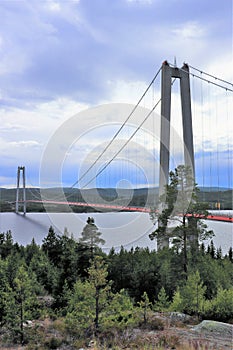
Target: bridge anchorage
[{"x": 18, "y": 201}]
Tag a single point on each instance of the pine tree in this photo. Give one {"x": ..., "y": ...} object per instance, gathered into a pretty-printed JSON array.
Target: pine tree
[
  {"x": 52, "y": 247},
  {"x": 230, "y": 254},
  {"x": 176, "y": 304},
  {"x": 193, "y": 294},
  {"x": 181, "y": 205},
  {"x": 6, "y": 244},
  {"x": 89, "y": 300},
  {"x": 98, "y": 279},
  {"x": 22, "y": 302},
  {"x": 91, "y": 235},
  {"x": 145, "y": 306},
  {"x": 119, "y": 312},
  {"x": 212, "y": 250},
  {"x": 163, "y": 302}
]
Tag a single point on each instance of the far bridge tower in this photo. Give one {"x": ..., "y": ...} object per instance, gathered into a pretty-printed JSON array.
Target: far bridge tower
[{"x": 18, "y": 200}]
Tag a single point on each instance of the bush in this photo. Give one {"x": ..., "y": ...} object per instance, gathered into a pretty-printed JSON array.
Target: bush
[
  {"x": 169, "y": 341},
  {"x": 153, "y": 323},
  {"x": 221, "y": 307},
  {"x": 53, "y": 343}
]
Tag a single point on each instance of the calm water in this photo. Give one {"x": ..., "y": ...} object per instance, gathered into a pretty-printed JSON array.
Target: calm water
[{"x": 127, "y": 229}]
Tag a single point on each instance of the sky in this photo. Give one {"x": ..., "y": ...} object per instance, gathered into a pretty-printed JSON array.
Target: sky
[{"x": 71, "y": 71}]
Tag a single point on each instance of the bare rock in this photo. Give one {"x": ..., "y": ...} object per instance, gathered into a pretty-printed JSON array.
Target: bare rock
[{"x": 218, "y": 328}]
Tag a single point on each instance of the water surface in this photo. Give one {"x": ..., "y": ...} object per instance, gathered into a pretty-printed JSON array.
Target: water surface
[{"x": 119, "y": 228}]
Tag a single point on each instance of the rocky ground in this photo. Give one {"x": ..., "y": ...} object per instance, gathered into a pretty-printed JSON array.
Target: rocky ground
[
  {"x": 203, "y": 336},
  {"x": 180, "y": 332}
]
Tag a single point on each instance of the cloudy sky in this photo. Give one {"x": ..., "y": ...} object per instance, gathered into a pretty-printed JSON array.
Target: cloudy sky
[{"x": 61, "y": 59}]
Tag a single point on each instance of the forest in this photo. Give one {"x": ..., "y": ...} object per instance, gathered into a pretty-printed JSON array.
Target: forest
[{"x": 86, "y": 291}]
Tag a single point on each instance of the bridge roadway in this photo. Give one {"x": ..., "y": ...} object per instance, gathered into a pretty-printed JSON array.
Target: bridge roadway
[{"x": 215, "y": 217}]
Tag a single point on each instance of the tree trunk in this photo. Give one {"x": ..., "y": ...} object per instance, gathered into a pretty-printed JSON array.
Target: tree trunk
[
  {"x": 21, "y": 322},
  {"x": 96, "y": 310},
  {"x": 185, "y": 249}
]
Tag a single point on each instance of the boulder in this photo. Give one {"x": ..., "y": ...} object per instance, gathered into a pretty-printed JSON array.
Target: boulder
[{"x": 218, "y": 328}]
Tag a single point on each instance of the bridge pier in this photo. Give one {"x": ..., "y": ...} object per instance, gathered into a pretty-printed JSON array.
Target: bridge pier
[{"x": 21, "y": 168}]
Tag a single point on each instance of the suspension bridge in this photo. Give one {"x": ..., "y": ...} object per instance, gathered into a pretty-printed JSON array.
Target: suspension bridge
[{"x": 191, "y": 133}]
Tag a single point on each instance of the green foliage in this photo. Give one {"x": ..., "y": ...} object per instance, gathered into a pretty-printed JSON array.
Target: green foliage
[
  {"x": 190, "y": 298},
  {"x": 91, "y": 235},
  {"x": 177, "y": 302},
  {"x": 51, "y": 246},
  {"x": 94, "y": 309},
  {"x": 180, "y": 203},
  {"x": 89, "y": 299},
  {"x": 46, "y": 273},
  {"x": 119, "y": 313},
  {"x": 53, "y": 343},
  {"x": 61, "y": 278},
  {"x": 230, "y": 254},
  {"x": 220, "y": 308},
  {"x": 145, "y": 306},
  {"x": 98, "y": 280},
  {"x": 81, "y": 310},
  {"x": 135, "y": 271},
  {"x": 22, "y": 304},
  {"x": 192, "y": 294},
  {"x": 163, "y": 302},
  {"x": 6, "y": 244}
]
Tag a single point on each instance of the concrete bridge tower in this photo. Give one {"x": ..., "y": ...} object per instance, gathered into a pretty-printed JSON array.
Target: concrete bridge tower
[
  {"x": 20, "y": 168},
  {"x": 182, "y": 74}
]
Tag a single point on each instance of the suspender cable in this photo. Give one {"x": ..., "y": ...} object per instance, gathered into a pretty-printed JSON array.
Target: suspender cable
[
  {"x": 229, "y": 165},
  {"x": 203, "y": 145},
  {"x": 210, "y": 152},
  {"x": 119, "y": 130},
  {"x": 115, "y": 135},
  {"x": 216, "y": 123},
  {"x": 125, "y": 144},
  {"x": 208, "y": 81}
]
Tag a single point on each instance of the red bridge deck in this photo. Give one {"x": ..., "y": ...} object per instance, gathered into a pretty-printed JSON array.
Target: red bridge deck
[{"x": 223, "y": 218}]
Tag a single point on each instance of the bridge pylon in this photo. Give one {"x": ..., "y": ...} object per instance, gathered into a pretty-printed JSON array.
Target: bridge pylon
[
  {"x": 182, "y": 74},
  {"x": 21, "y": 169}
]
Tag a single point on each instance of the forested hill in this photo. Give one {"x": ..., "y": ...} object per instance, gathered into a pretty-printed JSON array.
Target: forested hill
[{"x": 132, "y": 197}]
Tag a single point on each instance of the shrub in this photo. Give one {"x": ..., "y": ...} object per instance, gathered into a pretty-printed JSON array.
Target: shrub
[
  {"x": 219, "y": 308},
  {"x": 169, "y": 341},
  {"x": 53, "y": 343}
]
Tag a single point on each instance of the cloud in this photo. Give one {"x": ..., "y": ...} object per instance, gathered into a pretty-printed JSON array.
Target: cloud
[
  {"x": 58, "y": 58},
  {"x": 141, "y": 2},
  {"x": 27, "y": 144},
  {"x": 190, "y": 30}
]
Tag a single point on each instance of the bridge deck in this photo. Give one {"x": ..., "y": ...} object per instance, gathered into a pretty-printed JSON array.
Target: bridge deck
[{"x": 223, "y": 218}]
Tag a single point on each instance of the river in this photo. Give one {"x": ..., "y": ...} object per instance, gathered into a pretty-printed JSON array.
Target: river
[{"x": 118, "y": 228}]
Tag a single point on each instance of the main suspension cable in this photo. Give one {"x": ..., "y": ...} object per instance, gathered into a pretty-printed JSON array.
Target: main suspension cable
[
  {"x": 204, "y": 79},
  {"x": 114, "y": 137},
  {"x": 125, "y": 144},
  {"x": 208, "y": 81},
  {"x": 119, "y": 130},
  {"x": 212, "y": 76}
]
